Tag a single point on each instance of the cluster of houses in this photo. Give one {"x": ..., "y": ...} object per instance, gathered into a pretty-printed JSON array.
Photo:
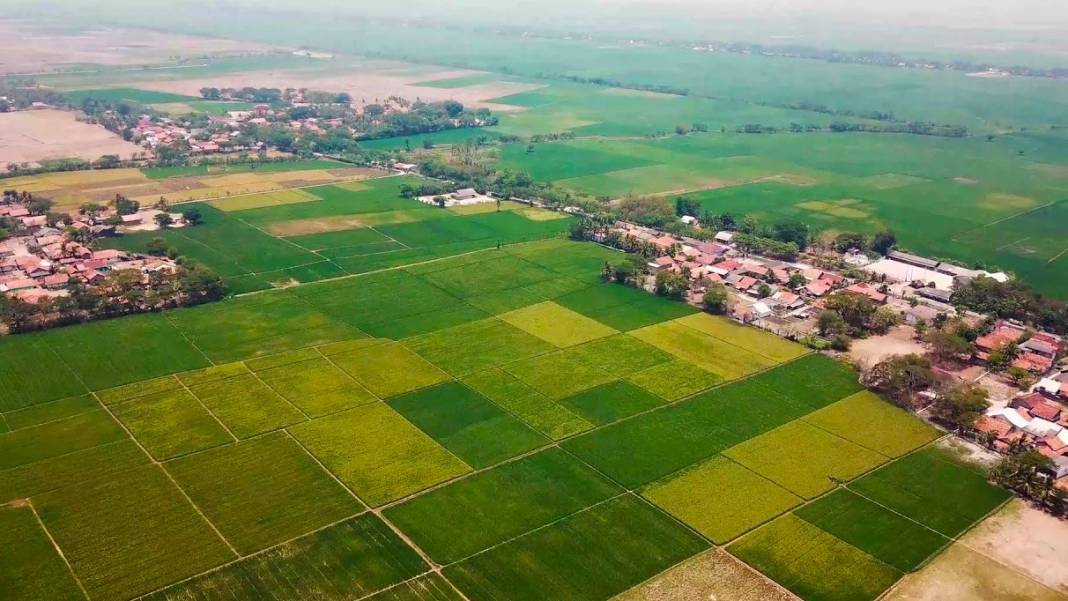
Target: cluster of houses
[
  {"x": 1035, "y": 352},
  {"x": 40, "y": 261},
  {"x": 1037, "y": 420},
  {"x": 766, "y": 287},
  {"x": 461, "y": 197}
]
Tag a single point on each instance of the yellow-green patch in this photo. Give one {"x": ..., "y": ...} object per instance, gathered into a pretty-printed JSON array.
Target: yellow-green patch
[
  {"x": 557, "y": 325},
  {"x": 803, "y": 459},
  {"x": 724, "y": 359},
  {"x": 377, "y": 453},
  {"x": 874, "y": 424},
  {"x": 389, "y": 369},
  {"x": 751, "y": 339},
  {"x": 676, "y": 379},
  {"x": 316, "y": 386},
  {"x": 720, "y": 498}
]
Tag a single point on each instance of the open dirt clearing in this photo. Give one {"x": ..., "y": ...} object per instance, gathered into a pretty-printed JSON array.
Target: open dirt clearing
[
  {"x": 711, "y": 576},
  {"x": 961, "y": 574},
  {"x": 898, "y": 341},
  {"x": 27, "y": 136},
  {"x": 40, "y": 51},
  {"x": 1027, "y": 539},
  {"x": 365, "y": 85}
]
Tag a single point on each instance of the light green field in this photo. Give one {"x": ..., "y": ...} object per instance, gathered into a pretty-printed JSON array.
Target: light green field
[
  {"x": 389, "y": 369},
  {"x": 36, "y": 571},
  {"x": 874, "y": 424},
  {"x": 557, "y": 325},
  {"x": 272, "y": 491},
  {"x": 814, "y": 564},
  {"x": 804, "y": 460},
  {"x": 246, "y": 406},
  {"x": 131, "y": 534},
  {"x": 377, "y": 453},
  {"x": 316, "y": 386},
  {"x": 721, "y": 358},
  {"x": 170, "y": 424},
  {"x": 721, "y": 499}
]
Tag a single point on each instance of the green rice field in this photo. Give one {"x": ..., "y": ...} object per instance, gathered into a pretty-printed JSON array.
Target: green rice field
[{"x": 533, "y": 432}]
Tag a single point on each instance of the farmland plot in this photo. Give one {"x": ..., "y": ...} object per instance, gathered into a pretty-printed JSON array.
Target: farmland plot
[
  {"x": 33, "y": 373},
  {"x": 557, "y": 325},
  {"x": 57, "y": 438},
  {"x": 467, "y": 424},
  {"x": 72, "y": 469},
  {"x": 130, "y": 535},
  {"x": 30, "y": 568},
  {"x": 316, "y": 386},
  {"x": 871, "y": 422},
  {"x": 933, "y": 488},
  {"x": 499, "y": 504},
  {"x": 464, "y": 349},
  {"x": 246, "y": 406},
  {"x": 389, "y": 369},
  {"x": 720, "y": 498},
  {"x": 675, "y": 379},
  {"x": 591, "y": 555},
  {"x": 814, "y": 564},
  {"x": 803, "y": 459},
  {"x": 261, "y": 492},
  {"x": 351, "y": 559},
  {"x": 540, "y": 412},
  {"x": 887, "y": 536},
  {"x": 51, "y": 411},
  {"x": 377, "y": 453},
  {"x": 169, "y": 424},
  {"x": 610, "y": 402},
  {"x": 721, "y": 358}
]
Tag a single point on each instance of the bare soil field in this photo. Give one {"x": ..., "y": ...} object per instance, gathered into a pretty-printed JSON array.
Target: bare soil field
[
  {"x": 29, "y": 136},
  {"x": 898, "y": 341},
  {"x": 960, "y": 574},
  {"x": 1028, "y": 540},
  {"x": 42, "y": 51},
  {"x": 364, "y": 85},
  {"x": 711, "y": 576}
]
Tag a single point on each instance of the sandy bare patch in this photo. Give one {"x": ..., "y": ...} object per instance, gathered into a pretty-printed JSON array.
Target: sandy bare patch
[
  {"x": 638, "y": 93},
  {"x": 1028, "y": 540},
  {"x": 1050, "y": 169},
  {"x": 898, "y": 341},
  {"x": 40, "y": 51},
  {"x": 961, "y": 574},
  {"x": 967, "y": 181},
  {"x": 968, "y": 451},
  {"x": 300, "y": 227},
  {"x": 794, "y": 179},
  {"x": 29, "y": 136},
  {"x": 366, "y": 85},
  {"x": 711, "y": 576}
]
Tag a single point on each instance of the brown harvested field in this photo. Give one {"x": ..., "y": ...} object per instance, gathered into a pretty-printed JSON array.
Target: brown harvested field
[
  {"x": 711, "y": 576},
  {"x": 366, "y": 85},
  {"x": 31, "y": 136},
  {"x": 960, "y": 574},
  {"x": 41, "y": 51},
  {"x": 1026, "y": 539},
  {"x": 70, "y": 189}
]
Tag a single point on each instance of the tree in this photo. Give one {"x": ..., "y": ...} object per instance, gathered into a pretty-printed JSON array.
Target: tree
[
  {"x": 687, "y": 206},
  {"x": 671, "y": 284},
  {"x": 883, "y": 319},
  {"x": 883, "y": 242},
  {"x": 157, "y": 246},
  {"x": 682, "y": 129},
  {"x": 949, "y": 346},
  {"x": 163, "y": 220},
  {"x": 200, "y": 284},
  {"x": 90, "y": 209},
  {"x": 452, "y": 108},
  {"x": 848, "y": 240},
  {"x": 962, "y": 406},
  {"x": 856, "y": 309},
  {"x": 796, "y": 281},
  {"x": 831, "y": 323},
  {"x": 192, "y": 216},
  {"x": 39, "y": 206},
  {"x": 1020, "y": 376},
  {"x": 791, "y": 230},
  {"x": 715, "y": 299},
  {"x": 1027, "y": 473},
  {"x": 900, "y": 377},
  {"x": 763, "y": 290},
  {"x": 651, "y": 211},
  {"x": 125, "y": 206},
  {"x": 16, "y": 314}
]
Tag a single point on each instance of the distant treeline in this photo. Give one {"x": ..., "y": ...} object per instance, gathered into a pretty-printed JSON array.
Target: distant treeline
[{"x": 919, "y": 128}]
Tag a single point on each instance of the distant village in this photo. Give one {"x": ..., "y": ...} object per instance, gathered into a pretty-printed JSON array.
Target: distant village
[{"x": 50, "y": 272}]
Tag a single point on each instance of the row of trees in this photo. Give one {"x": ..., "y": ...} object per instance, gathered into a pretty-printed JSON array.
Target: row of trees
[
  {"x": 122, "y": 292},
  {"x": 1013, "y": 299}
]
